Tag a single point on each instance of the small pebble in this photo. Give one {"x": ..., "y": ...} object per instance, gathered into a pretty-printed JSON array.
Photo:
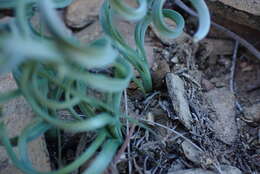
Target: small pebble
[
  {"x": 230, "y": 170},
  {"x": 175, "y": 60},
  {"x": 191, "y": 152},
  {"x": 165, "y": 54},
  {"x": 192, "y": 171},
  {"x": 207, "y": 85}
]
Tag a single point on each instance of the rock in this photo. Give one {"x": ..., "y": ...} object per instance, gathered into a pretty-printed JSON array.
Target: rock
[
  {"x": 90, "y": 33},
  {"x": 219, "y": 82},
  {"x": 177, "y": 94},
  {"x": 224, "y": 61},
  {"x": 5, "y": 19},
  {"x": 230, "y": 170},
  {"x": 256, "y": 158},
  {"x": 192, "y": 171},
  {"x": 218, "y": 46},
  {"x": 166, "y": 54},
  {"x": 250, "y": 6},
  {"x": 222, "y": 101},
  {"x": 211, "y": 49},
  {"x": 191, "y": 152},
  {"x": 252, "y": 113},
  {"x": 206, "y": 84},
  {"x": 82, "y": 13},
  {"x": 212, "y": 60},
  {"x": 219, "y": 10},
  {"x": 18, "y": 114},
  {"x": 175, "y": 60},
  {"x": 196, "y": 155},
  {"x": 160, "y": 69},
  {"x": 37, "y": 24},
  {"x": 176, "y": 165}
]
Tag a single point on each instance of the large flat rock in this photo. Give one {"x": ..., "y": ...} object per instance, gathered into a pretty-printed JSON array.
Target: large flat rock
[
  {"x": 17, "y": 114},
  {"x": 250, "y": 6},
  {"x": 222, "y": 102},
  {"x": 82, "y": 12}
]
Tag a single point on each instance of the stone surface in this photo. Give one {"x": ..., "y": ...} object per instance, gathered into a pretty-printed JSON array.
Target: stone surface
[
  {"x": 82, "y": 12},
  {"x": 17, "y": 115},
  {"x": 89, "y": 33},
  {"x": 191, "y": 152},
  {"x": 256, "y": 158},
  {"x": 206, "y": 84},
  {"x": 250, "y": 6},
  {"x": 220, "y": 10},
  {"x": 252, "y": 113},
  {"x": 224, "y": 170},
  {"x": 192, "y": 171},
  {"x": 230, "y": 170},
  {"x": 37, "y": 24},
  {"x": 222, "y": 101},
  {"x": 159, "y": 71},
  {"x": 180, "y": 104},
  {"x": 219, "y": 46}
]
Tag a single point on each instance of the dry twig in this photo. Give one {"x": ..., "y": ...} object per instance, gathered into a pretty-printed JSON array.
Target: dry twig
[
  {"x": 233, "y": 68},
  {"x": 124, "y": 146},
  {"x": 173, "y": 131},
  {"x": 232, "y": 75}
]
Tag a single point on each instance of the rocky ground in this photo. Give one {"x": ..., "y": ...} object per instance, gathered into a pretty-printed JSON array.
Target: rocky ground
[{"x": 205, "y": 107}]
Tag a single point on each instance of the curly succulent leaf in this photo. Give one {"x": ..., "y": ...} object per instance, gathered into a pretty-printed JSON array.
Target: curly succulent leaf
[
  {"x": 137, "y": 60},
  {"x": 140, "y": 31},
  {"x": 4, "y": 4},
  {"x": 97, "y": 55},
  {"x": 90, "y": 124},
  {"x": 101, "y": 82},
  {"x": 204, "y": 19},
  {"x": 58, "y": 73},
  {"x": 158, "y": 15},
  {"x": 43, "y": 51},
  {"x": 104, "y": 158},
  {"x": 35, "y": 129},
  {"x": 25, "y": 165},
  {"x": 22, "y": 17},
  {"x": 62, "y": 3}
]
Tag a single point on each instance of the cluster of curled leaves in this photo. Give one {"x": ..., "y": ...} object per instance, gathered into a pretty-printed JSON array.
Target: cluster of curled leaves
[{"x": 54, "y": 72}]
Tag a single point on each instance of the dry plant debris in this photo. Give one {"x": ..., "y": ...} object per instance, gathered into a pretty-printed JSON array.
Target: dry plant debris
[{"x": 196, "y": 128}]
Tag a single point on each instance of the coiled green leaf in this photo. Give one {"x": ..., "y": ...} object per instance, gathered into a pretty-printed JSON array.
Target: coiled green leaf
[
  {"x": 104, "y": 157},
  {"x": 137, "y": 60},
  {"x": 25, "y": 165},
  {"x": 158, "y": 19},
  {"x": 204, "y": 19},
  {"x": 58, "y": 73},
  {"x": 4, "y": 4}
]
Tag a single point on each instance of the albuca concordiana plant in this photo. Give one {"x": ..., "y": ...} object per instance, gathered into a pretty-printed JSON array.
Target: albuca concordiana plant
[{"x": 57, "y": 72}]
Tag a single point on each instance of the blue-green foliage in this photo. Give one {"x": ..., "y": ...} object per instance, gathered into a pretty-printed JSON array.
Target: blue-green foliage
[{"x": 58, "y": 73}]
